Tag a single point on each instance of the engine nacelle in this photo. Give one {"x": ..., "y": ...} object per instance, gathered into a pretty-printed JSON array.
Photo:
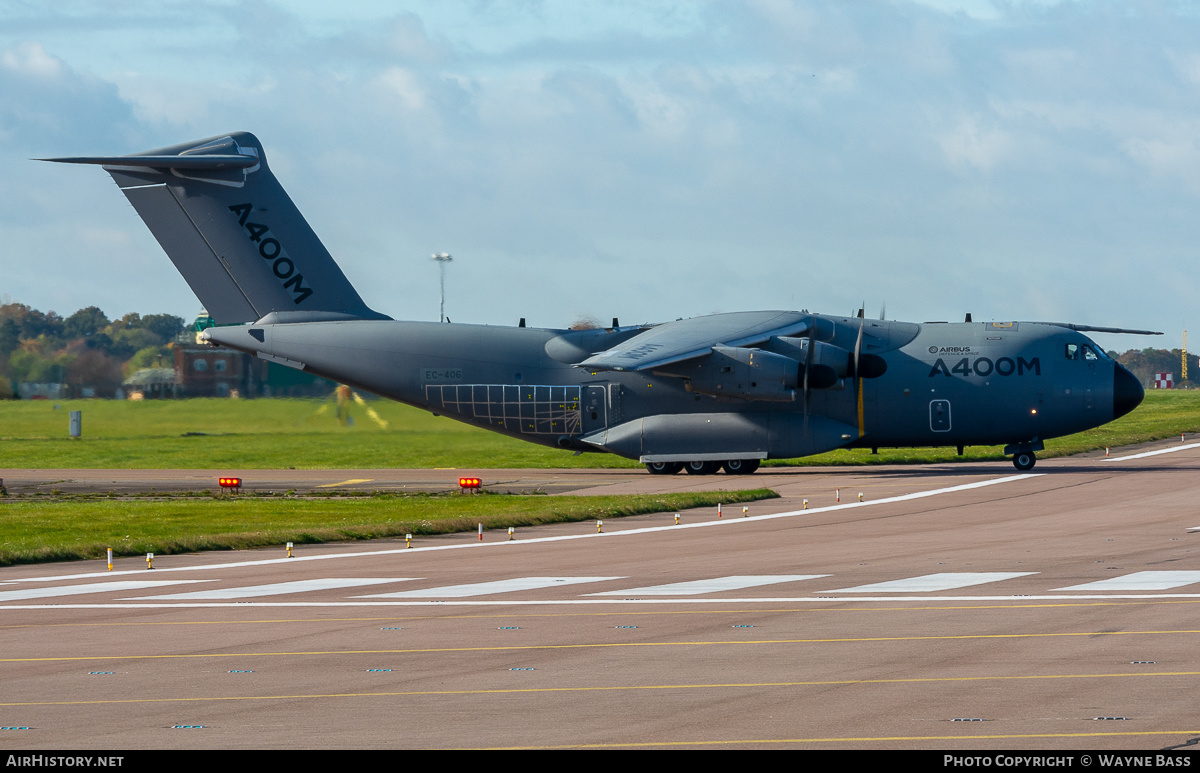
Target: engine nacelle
[
  {"x": 749, "y": 374},
  {"x": 837, "y": 360}
]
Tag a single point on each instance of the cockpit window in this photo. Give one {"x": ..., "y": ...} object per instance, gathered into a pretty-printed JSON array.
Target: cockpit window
[{"x": 1086, "y": 352}]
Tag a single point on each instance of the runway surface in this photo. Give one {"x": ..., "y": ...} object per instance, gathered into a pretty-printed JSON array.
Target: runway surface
[{"x": 956, "y": 607}]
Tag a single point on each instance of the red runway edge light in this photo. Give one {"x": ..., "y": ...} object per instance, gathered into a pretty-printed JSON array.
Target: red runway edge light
[
  {"x": 469, "y": 484},
  {"x": 230, "y": 482}
]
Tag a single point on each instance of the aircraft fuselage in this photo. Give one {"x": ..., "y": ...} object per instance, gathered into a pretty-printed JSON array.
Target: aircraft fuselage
[{"x": 944, "y": 385}]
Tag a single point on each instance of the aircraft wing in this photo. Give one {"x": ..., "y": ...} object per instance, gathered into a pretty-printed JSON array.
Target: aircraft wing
[
  {"x": 687, "y": 339},
  {"x": 1094, "y": 329}
]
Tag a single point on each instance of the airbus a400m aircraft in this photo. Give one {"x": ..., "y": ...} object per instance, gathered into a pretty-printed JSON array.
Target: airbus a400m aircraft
[{"x": 701, "y": 394}]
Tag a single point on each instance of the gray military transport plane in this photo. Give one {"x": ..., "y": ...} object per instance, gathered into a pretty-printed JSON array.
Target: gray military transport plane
[{"x": 721, "y": 391}]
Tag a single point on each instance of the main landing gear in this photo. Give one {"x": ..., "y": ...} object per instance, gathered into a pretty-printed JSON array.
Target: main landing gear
[{"x": 697, "y": 467}]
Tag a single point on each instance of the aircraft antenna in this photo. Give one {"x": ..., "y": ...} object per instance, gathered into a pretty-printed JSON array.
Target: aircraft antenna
[{"x": 442, "y": 258}]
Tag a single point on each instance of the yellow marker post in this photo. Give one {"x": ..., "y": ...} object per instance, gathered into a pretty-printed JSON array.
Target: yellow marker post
[
  {"x": 408, "y": 540},
  {"x": 511, "y": 532},
  {"x": 860, "y": 496},
  {"x": 289, "y": 550},
  {"x": 110, "y": 559},
  {"x": 745, "y": 511},
  {"x": 149, "y": 560},
  {"x": 676, "y": 519},
  {"x": 599, "y": 527},
  {"x": 806, "y": 504}
]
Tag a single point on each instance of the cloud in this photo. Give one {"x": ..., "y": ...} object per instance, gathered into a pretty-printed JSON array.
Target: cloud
[
  {"x": 46, "y": 101},
  {"x": 969, "y": 143},
  {"x": 649, "y": 160}
]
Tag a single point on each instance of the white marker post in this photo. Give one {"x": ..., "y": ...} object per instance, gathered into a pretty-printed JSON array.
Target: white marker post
[
  {"x": 110, "y": 559},
  {"x": 481, "y": 532}
]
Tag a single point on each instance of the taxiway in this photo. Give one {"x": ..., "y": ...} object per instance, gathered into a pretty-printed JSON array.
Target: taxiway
[{"x": 956, "y": 607}]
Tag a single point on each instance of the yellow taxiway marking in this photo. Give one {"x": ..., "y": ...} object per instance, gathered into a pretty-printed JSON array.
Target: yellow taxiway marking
[
  {"x": 850, "y": 739},
  {"x": 1019, "y": 604},
  {"x": 610, "y": 688},
  {"x": 598, "y": 645},
  {"x": 350, "y": 482}
]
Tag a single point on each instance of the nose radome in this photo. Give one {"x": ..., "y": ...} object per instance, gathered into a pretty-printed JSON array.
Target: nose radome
[{"x": 1127, "y": 391}]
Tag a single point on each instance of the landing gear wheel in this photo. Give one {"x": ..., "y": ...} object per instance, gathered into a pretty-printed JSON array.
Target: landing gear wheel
[
  {"x": 1024, "y": 460},
  {"x": 702, "y": 468},
  {"x": 664, "y": 468},
  {"x": 740, "y": 466}
]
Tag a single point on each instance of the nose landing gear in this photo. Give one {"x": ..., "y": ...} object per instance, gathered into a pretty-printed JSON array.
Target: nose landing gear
[
  {"x": 1024, "y": 460},
  {"x": 1022, "y": 453}
]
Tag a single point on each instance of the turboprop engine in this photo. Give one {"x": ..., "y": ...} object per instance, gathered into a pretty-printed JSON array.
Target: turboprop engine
[{"x": 749, "y": 374}]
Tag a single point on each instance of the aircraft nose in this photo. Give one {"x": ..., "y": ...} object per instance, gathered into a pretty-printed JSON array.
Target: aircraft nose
[{"x": 1127, "y": 391}]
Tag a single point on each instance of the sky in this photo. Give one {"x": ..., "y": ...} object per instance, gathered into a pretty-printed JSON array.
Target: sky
[{"x": 636, "y": 159}]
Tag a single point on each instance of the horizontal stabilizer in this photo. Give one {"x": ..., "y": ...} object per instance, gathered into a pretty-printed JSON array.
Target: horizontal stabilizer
[{"x": 164, "y": 162}]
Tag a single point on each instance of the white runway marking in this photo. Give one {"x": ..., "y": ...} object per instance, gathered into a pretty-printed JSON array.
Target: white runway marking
[
  {"x": 502, "y": 544},
  {"x": 274, "y": 589},
  {"x": 584, "y": 602},
  {"x": 1144, "y": 454},
  {"x": 487, "y": 588},
  {"x": 715, "y": 585},
  {"x": 933, "y": 582},
  {"x": 1141, "y": 581},
  {"x": 92, "y": 587}
]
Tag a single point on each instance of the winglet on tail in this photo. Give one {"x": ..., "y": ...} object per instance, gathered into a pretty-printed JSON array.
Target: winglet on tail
[{"x": 233, "y": 232}]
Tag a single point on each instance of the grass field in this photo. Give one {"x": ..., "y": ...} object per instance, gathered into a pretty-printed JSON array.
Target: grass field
[
  {"x": 283, "y": 433},
  {"x": 303, "y": 434},
  {"x": 73, "y": 528}
]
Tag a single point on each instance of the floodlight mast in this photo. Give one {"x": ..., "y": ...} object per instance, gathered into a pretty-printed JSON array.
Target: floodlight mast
[{"x": 442, "y": 258}]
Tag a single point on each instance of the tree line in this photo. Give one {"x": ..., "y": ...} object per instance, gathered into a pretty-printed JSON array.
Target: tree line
[{"x": 86, "y": 349}]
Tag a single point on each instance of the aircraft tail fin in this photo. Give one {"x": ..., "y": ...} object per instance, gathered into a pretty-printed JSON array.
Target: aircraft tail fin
[{"x": 233, "y": 232}]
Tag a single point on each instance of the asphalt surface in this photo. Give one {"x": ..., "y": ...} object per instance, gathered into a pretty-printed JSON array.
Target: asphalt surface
[{"x": 956, "y": 607}]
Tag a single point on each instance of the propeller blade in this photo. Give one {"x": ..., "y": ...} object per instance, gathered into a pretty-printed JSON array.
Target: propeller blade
[
  {"x": 858, "y": 379},
  {"x": 858, "y": 344},
  {"x": 808, "y": 358}
]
